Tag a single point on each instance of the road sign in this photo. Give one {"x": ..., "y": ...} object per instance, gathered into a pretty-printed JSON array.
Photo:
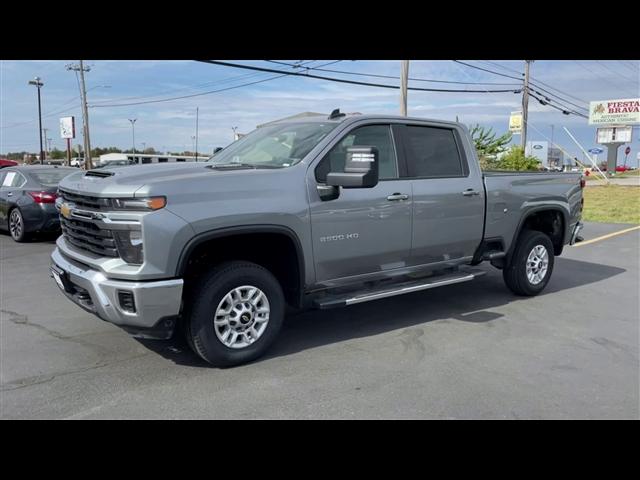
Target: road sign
[
  {"x": 624, "y": 111},
  {"x": 596, "y": 151},
  {"x": 67, "y": 127},
  {"x": 515, "y": 122},
  {"x": 606, "y": 135},
  {"x": 627, "y": 150}
]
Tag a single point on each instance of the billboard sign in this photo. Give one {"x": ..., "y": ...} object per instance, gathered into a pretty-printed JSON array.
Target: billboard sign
[
  {"x": 67, "y": 127},
  {"x": 624, "y": 111},
  {"x": 613, "y": 135},
  {"x": 515, "y": 122}
]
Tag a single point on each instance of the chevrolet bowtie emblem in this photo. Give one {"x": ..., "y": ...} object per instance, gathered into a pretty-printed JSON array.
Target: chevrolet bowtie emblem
[{"x": 65, "y": 210}]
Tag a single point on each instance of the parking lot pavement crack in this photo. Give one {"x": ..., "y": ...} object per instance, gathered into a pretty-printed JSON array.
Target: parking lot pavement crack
[
  {"x": 40, "y": 379},
  {"x": 19, "y": 319}
]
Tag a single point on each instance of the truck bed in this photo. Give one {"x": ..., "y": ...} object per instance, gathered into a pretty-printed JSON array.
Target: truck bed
[{"x": 510, "y": 195}]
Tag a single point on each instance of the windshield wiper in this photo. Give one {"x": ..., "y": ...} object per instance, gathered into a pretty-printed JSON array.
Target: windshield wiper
[
  {"x": 231, "y": 165},
  {"x": 241, "y": 165}
]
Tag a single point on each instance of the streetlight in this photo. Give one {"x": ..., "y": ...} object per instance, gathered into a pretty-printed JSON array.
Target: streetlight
[
  {"x": 99, "y": 86},
  {"x": 133, "y": 127},
  {"x": 36, "y": 81}
]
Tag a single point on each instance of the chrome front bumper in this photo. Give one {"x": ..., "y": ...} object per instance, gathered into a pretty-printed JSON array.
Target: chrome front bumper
[{"x": 155, "y": 301}]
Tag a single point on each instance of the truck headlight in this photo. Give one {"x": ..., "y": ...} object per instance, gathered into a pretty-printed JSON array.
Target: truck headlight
[
  {"x": 144, "y": 203},
  {"x": 129, "y": 243}
]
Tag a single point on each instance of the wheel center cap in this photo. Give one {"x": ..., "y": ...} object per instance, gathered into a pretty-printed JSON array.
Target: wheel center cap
[{"x": 245, "y": 318}]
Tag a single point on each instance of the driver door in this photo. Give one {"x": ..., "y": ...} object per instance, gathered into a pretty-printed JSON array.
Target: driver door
[{"x": 364, "y": 230}]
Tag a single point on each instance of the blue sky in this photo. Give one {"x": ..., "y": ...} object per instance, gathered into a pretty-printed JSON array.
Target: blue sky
[{"x": 170, "y": 125}]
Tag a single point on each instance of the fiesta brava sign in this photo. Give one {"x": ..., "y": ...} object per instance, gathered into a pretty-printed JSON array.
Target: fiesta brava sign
[{"x": 615, "y": 112}]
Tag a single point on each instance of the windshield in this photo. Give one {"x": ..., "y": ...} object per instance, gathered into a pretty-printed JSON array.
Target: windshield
[
  {"x": 50, "y": 178},
  {"x": 274, "y": 146}
]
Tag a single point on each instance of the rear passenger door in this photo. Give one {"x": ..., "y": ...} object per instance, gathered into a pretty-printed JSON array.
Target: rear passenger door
[
  {"x": 9, "y": 190},
  {"x": 448, "y": 195}
]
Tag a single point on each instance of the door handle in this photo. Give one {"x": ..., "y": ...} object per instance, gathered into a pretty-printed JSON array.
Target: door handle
[
  {"x": 397, "y": 196},
  {"x": 9, "y": 194},
  {"x": 469, "y": 192}
]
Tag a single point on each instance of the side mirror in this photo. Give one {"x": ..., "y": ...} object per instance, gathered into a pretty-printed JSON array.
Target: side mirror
[{"x": 360, "y": 169}]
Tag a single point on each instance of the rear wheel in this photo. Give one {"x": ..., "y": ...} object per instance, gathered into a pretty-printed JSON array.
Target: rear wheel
[
  {"x": 531, "y": 265},
  {"x": 16, "y": 226},
  {"x": 236, "y": 314}
]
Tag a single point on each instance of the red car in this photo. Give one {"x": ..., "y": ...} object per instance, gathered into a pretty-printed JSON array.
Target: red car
[{"x": 7, "y": 163}]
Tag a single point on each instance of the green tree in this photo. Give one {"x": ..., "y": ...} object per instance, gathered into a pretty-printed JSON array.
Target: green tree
[
  {"x": 487, "y": 145},
  {"x": 515, "y": 159},
  {"x": 57, "y": 154}
]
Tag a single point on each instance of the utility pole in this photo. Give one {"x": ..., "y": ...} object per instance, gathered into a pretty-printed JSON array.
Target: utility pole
[
  {"x": 85, "y": 112},
  {"x": 404, "y": 81},
  {"x": 525, "y": 103},
  {"x": 37, "y": 82},
  {"x": 133, "y": 133},
  {"x": 197, "y": 109},
  {"x": 46, "y": 148}
]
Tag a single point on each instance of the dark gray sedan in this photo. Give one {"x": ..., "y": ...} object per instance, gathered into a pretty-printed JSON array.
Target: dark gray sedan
[{"x": 27, "y": 199}]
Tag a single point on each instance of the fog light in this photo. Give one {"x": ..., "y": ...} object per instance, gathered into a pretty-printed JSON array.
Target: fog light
[{"x": 127, "y": 302}]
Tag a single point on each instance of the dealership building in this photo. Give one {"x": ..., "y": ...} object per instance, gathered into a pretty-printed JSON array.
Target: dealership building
[{"x": 550, "y": 157}]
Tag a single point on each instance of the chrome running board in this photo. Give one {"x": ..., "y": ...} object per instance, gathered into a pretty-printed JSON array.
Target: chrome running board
[{"x": 343, "y": 300}]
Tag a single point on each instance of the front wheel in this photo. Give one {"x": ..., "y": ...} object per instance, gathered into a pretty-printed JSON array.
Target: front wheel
[
  {"x": 236, "y": 314},
  {"x": 531, "y": 265}
]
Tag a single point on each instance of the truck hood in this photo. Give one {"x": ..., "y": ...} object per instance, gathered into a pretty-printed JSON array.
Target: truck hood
[{"x": 126, "y": 181}]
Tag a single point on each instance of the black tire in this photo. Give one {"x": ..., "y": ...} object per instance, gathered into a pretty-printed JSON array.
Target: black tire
[
  {"x": 515, "y": 273},
  {"x": 205, "y": 300},
  {"x": 18, "y": 234}
]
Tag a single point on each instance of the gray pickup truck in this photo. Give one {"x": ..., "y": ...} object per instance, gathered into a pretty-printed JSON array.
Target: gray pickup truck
[{"x": 323, "y": 212}]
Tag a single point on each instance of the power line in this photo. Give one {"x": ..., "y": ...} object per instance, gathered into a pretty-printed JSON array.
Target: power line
[
  {"x": 563, "y": 110},
  {"x": 627, "y": 65},
  {"x": 202, "y": 85},
  {"x": 531, "y": 82},
  {"x": 502, "y": 66},
  {"x": 600, "y": 76},
  {"x": 95, "y": 105},
  {"x": 361, "y": 74},
  {"x": 352, "y": 82},
  {"x": 557, "y": 97},
  {"x": 487, "y": 70},
  {"x": 618, "y": 74},
  {"x": 189, "y": 96}
]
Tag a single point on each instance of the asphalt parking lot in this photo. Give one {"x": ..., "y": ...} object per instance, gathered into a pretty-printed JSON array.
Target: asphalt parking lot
[{"x": 464, "y": 351}]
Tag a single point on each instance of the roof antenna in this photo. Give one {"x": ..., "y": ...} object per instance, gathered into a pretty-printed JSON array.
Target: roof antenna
[{"x": 336, "y": 114}]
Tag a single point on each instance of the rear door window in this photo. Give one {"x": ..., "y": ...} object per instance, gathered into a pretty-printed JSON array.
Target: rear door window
[
  {"x": 13, "y": 180},
  {"x": 432, "y": 152}
]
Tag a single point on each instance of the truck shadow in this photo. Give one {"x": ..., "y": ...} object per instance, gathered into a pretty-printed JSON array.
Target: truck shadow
[{"x": 470, "y": 302}]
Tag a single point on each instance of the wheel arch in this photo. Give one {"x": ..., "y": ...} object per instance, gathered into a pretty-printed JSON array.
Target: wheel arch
[
  {"x": 543, "y": 219},
  {"x": 277, "y": 237}
]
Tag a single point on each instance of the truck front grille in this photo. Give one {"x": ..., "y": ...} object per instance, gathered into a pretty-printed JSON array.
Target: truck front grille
[
  {"x": 85, "y": 201},
  {"x": 88, "y": 236}
]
